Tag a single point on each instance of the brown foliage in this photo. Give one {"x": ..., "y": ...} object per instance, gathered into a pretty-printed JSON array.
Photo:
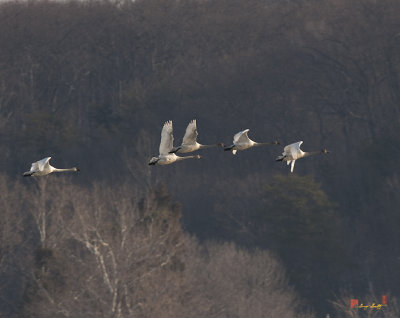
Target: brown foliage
[{"x": 102, "y": 251}]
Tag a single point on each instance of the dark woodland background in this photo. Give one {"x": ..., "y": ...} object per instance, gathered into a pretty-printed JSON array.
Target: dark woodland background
[{"x": 90, "y": 83}]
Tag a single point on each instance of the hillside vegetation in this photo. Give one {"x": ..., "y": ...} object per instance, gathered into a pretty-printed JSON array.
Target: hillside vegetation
[{"x": 90, "y": 83}]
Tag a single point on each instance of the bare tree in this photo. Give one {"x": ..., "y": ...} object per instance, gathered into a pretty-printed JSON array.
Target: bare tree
[{"x": 121, "y": 252}]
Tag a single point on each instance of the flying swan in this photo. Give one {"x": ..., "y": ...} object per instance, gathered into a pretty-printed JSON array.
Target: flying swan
[
  {"x": 189, "y": 142},
  {"x": 293, "y": 152},
  {"x": 241, "y": 142},
  {"x": 43, "y": 167},
  {"x": 166, "y": 145}
]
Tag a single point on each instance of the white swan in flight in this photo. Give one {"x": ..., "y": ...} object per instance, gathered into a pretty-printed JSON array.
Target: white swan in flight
[
  {"x": 189, "y": 142},
  {"x": 166, "y": 145},
  {"x": 43, "y": 167},
  {"x": 293, "y": 152},
  {"x": 241, "y": 142}
]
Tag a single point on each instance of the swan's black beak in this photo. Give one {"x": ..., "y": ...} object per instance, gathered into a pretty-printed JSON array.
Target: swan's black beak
[{"x": 175, "y": 149}]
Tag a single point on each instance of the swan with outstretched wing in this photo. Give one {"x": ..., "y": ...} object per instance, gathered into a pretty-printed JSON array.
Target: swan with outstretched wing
[
  {"x": 189, "y": 142},
  {"x": 241, "y": 141},
  {"x": 166, "y": 145},
  {"x": 43, "y": 167},
  {"x": 292, "y": 152}
]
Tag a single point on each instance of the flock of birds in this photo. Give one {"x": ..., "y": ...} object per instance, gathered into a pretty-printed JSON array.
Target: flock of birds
[{"x": 241, "y": 141}]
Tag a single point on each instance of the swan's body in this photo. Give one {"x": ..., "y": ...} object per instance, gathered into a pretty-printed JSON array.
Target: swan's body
[
  {"x": 43, "y": 167},
  {"x": 166, "y": 145},
  {"x": 241, "y": 141},
  {"x": 293, "y": 152},
  {"x": 189, "y": 142}
]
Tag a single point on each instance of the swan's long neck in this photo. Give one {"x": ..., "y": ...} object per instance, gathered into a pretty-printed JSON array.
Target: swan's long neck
[
  {"x": 256, "y": 144},
  {"x": 207, "y": 146},
  {"x": 187, "y": 157},
  {"x": 64, "y": 170},
  {"x": 311, "y": 153}
]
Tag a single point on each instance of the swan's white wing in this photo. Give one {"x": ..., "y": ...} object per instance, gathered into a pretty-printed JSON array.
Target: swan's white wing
[
  {"x": 190, "y": 137},
  {"x": 292, "y": 148},
  {"x": 35, "y": 166},
  {"x": 167, "y": 138},
  {"x": 41, "y": 164},
  {"x": 241, "y": 137}
]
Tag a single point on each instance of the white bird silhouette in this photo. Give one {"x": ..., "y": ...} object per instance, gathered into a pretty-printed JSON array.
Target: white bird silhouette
[
  {"x": 189, "y": 142},
  {"x": 43, "y": 167},
  {"x": 166, "y": 145},
  {"x": 241, "y": 142},
  {"x": 293, "y": 152}
]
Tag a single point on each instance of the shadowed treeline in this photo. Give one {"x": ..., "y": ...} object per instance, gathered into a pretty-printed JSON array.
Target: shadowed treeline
[
  {"x": 90, "y": 83},
  {"x": 78, "y": 251}
]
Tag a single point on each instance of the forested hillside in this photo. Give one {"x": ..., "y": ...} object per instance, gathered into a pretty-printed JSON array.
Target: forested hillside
[{"x": 91, "y": 83}]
